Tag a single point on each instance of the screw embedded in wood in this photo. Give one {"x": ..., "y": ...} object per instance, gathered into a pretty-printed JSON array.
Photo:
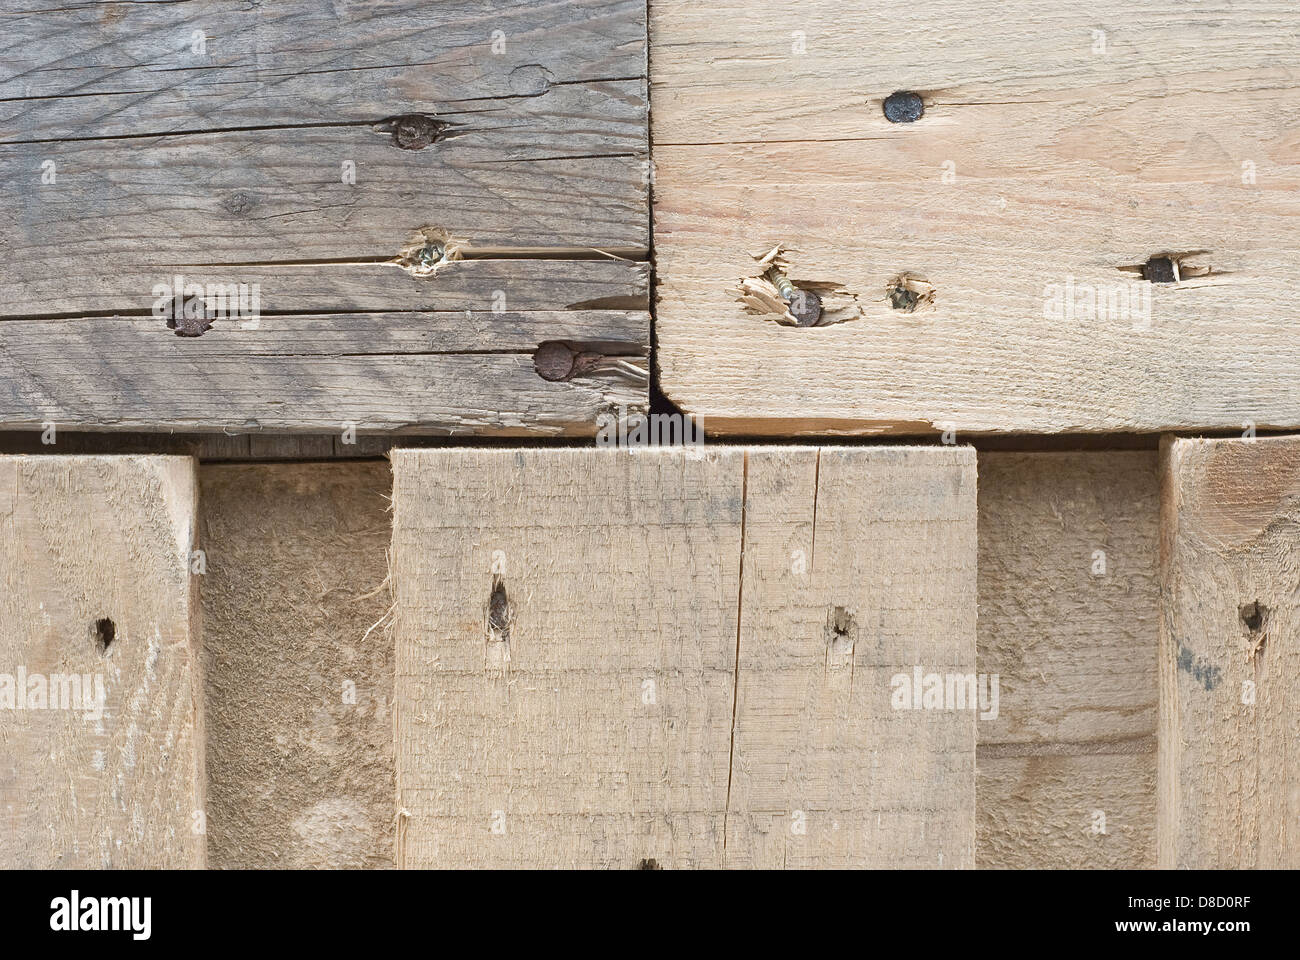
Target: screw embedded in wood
[
  {"x": 903, "y": 107},
  {"x": 553, "y": 361},
  {"x": 805, "y": 305}
]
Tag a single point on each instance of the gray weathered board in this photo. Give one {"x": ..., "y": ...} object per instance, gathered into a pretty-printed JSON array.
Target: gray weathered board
[
  {"x": 219, "y": 143},
  {"x": 610, "y": 659}
]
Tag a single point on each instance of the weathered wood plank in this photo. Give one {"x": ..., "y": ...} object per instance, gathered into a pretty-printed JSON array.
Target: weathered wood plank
[
  {"x": 859, "y": 566},
  {"x": 1229, "y": 784},
  {"x": 567, "y": 638},
  {"x": 119, "y": 69},
  {"x": 95, "y": 562},
  {"x": 237, "y": 388},
  {"x": 299, "y": 688},
  {"x": 229, "y": 146},
  {"x": 586, "y": 721},
  {"x": 87, "y": 289},
  {"x": 1068, "y": 620},
  {"x": 1085, "y": 141},
  {"x": 283, "y": 195}
]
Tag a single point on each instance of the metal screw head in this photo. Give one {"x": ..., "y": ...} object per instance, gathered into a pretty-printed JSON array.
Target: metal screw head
[
  {"x": 806, "y": 307},
  {"x": 553, "y": 361},
  {"x": 903, "y": 107}
]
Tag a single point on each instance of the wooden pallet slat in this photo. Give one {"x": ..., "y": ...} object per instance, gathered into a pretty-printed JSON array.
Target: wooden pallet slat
[
  {"x": 1065, "y": 153},
  {"x": 304, "y": 149},
  {"x": 95, "y": 557},
  {"x": 1229, "y": 784},
  {"x": 606, "y": 658}
]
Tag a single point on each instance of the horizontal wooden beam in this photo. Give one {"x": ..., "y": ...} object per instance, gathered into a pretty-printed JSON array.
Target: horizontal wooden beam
[
  {"x": 987, "y": 263},
  {"x": 475, "y": 183}
]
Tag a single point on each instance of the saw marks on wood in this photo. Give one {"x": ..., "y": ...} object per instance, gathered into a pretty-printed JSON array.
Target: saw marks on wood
[
  {"x": 98, "y": 599},
  {"x": 1068, "y": 619},
  {"x": 859, "y": 565},
  {"x": 631, "y": 659},
  {"x": 299, "y": 687},
  {"x": 286, "y": 158},
  {"x": 1054, "y": 158},
  {"x": 1229, "y": 793}
]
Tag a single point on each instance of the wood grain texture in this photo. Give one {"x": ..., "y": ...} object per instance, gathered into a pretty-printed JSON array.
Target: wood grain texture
[
  {"x": 1229, "y": 782},
  {"x": 85, "y": 540},
  {"x": 859, "y": 565},
  {"x": 299, "y": 688},
  {"x": 580, "y": 636},
  {"x": 1068, "y": 619},
  {"x": 437, "y": 374},
  {"x": 231, "y": 145},
  {"x": 1038, "y": 161}
]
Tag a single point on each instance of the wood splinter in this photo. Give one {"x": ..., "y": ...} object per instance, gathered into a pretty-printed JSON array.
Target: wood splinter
[{"x": 771, "y": 294}]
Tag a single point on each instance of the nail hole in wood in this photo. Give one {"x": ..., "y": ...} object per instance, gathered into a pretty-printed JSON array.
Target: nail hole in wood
[
  {"x": 1160, "y": 270},
  {"x": 415, "y": 131},
  {"x": 105, "y": 633},
  {"x": 650, "y": 863},
  {"x": 841, "y": 630},
  {"x": 1253, "y": 615},
  {"x": 907, "y": 293},
  {"x": 498, "y": 617}
]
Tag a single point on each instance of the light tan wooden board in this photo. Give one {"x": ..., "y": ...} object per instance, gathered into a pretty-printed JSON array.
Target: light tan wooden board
[
  {"x": 299, "y": 687},
  {"x": 606, "y": 737},
  {"x": 1068, "y": 620},
  {"x": 859, "y": 565},
  {"x": 1063, "y": 163},
  {"x": 85, "y": 540},
  {"x": 1229, "y": 775}
]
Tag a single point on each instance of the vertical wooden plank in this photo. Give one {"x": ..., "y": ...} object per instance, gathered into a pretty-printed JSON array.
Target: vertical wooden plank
[
  {"x": 566, "y": 630},
  {"x": 1229, "y": 778},
  {"x": 94, "y": 570},
  {"x": 1068, "y": 620},
  {"x": 299, "y": 685},
  {"x": 859, "y": 566},
  {"x": 568, "y": 688}
]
